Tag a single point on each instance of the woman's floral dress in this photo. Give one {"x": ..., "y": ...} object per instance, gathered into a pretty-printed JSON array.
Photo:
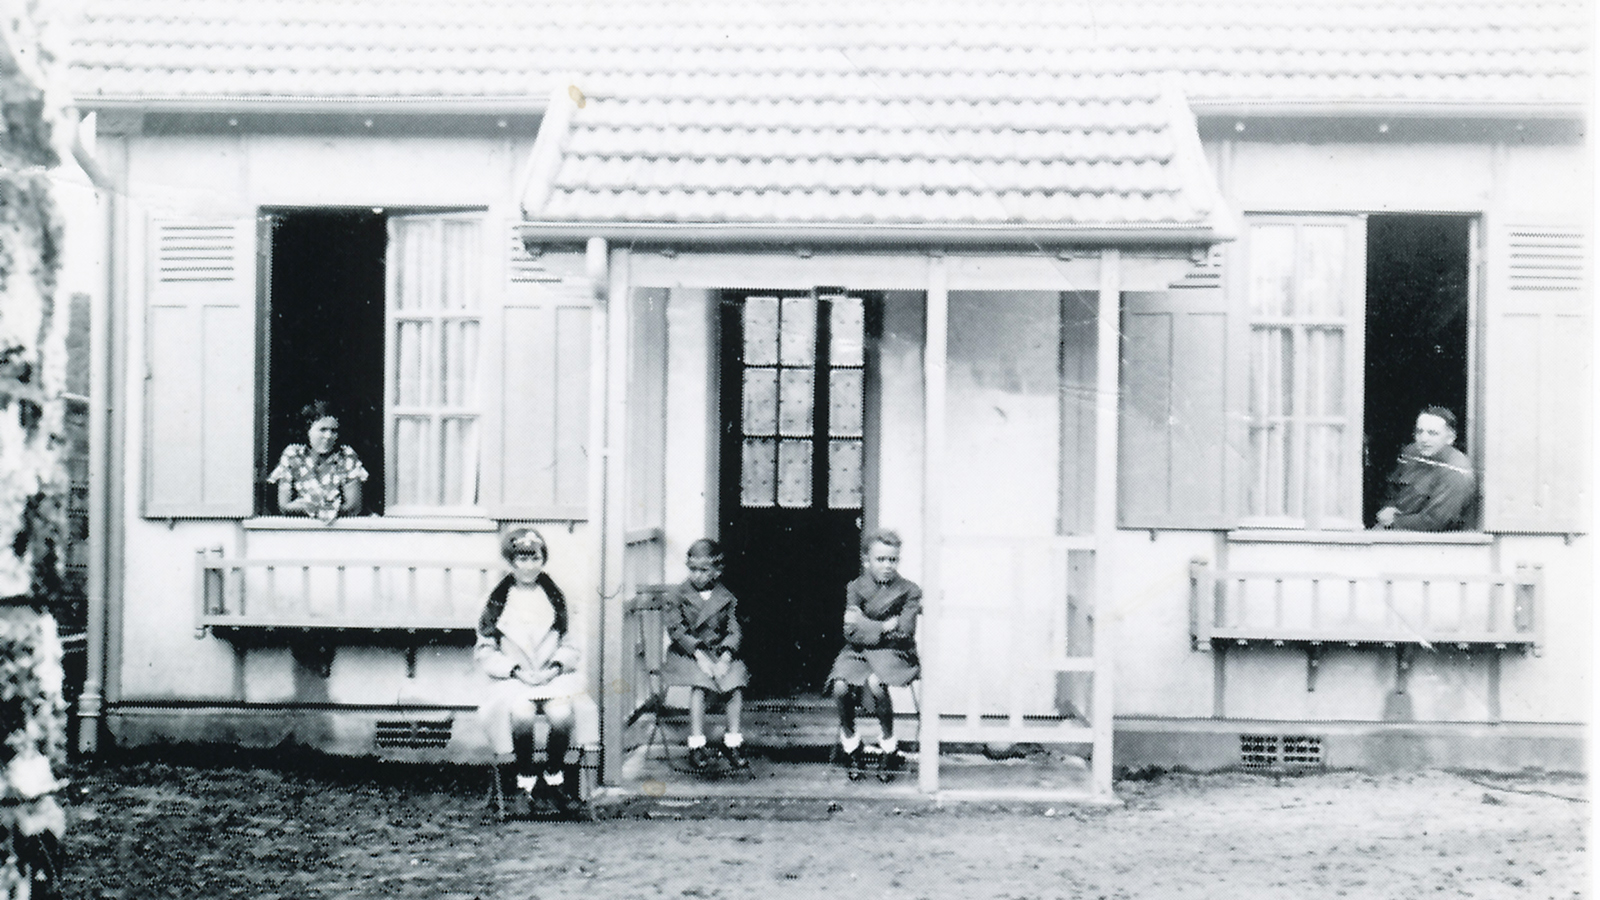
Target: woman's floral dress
[{"x": 320, "y": 482}]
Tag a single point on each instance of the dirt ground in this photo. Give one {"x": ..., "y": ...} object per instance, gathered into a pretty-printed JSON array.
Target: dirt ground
[{"x": 231, "y": 827}]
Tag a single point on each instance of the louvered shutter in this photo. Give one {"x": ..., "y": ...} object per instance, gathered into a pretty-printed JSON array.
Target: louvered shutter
[
  {"x": 1536, "y": 372},
  {"x": 200, "y": 327},
  {"x": 1175, "y": 467},
  {"x": 536, "y": 458}
]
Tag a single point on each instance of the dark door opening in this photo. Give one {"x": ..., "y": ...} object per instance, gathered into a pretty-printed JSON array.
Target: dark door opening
[
  {"x": 324, "y": 335},
  {"x": 1416, "y": 337},
  {"x": 793, "y": 385}
]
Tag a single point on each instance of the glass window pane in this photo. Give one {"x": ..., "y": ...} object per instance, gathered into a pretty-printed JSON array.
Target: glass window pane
[
  {"x": 846, "y": 330},
  {"x": 844, "y": 402},
  {"x": 796, "y": 397},
  {"x": 844, "y": 474},
  {"x": 794, "y": 474},
  {"x": 758, "y": 474},
  {"x": 460, "y": 268},
  {"x": 412, "y": 454},
  {"x": 1272, "y": 270},
  {"x": 1328, "y": 474},
  {"x": 411, "y": 281},
  {"x": 799, "y": 331},
  {"x": 760, "y": 401},
  {"x": 1271, "y": 373},
  {"x": 458, "y": 363},
  {"x": 412, "y": 339},
  {"x": 1325, "y": 372},
  {"x": 1319, "y": 290},
  {"x": 761, "y": 331},
  {"x": 458, "y": 455}
]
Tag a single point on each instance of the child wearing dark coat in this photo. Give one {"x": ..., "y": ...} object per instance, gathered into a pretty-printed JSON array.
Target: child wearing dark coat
[
  {"x": 703, "y": 625},
  {"x": 880, "y": 627}
]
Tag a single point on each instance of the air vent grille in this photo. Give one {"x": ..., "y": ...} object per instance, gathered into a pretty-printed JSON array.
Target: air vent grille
[
  {"x": 1269, "y": 751},
  {"x": 414, "y": 735}
]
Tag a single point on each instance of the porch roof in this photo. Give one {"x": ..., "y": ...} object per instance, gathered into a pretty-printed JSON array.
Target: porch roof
[
  {"x": 854, "y": 158},
  {"x": 1395, "y": 55}
]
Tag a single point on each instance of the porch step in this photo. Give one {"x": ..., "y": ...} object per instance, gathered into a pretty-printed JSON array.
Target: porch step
[{"x": 810, "y": 722}]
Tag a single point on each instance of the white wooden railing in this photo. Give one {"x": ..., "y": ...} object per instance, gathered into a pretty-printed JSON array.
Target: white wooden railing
[
  {"x": 1499, "y": 610},
  {"x": 345, "y": 594}
]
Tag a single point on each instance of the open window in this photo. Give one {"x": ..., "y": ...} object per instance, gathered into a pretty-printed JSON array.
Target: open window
[
  {"x": 1355, "y": 323},
  {"x": 1280, "y": 395},
  {"x": 380, "y": 314}
]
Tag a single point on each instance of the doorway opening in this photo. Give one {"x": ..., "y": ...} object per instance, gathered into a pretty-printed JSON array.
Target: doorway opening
[
  {"x": 794, "y": 447},
  {"x": 1418, "y": 304}
]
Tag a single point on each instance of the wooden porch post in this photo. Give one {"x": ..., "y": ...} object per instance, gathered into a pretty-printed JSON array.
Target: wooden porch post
[
  {"x": 1107, "y": 390},
  {"x": 613, "y": 453},
  {"x": 935, "y": 349}
]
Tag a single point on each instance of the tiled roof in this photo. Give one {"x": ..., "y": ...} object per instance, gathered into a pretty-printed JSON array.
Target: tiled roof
[
  {"x": 511, "y": 52},
  {"x": 1106, "y": 154}
]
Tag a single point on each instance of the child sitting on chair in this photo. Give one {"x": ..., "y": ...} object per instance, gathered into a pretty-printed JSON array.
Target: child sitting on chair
[
  {"x": 880, "y": 621},
  {"x": 703, "y": 655},
  {"x": 527, "y": 649}
]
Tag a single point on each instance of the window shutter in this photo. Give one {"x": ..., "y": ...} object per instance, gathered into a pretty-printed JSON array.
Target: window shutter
[
  {"x": 1174, "y": 467},
  {"x": 536, "y": 462},
  {"x": 1536, "y": 377},
  {"x": 200, "y": 330}
]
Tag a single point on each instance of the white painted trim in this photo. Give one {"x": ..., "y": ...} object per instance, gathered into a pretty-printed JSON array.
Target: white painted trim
[
  {"x": 1107, "y": 371},
  {"x": 936, "y": 349}
]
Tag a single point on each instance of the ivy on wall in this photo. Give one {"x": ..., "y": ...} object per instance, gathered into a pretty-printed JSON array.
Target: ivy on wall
[{"x": 33, "y": 481}]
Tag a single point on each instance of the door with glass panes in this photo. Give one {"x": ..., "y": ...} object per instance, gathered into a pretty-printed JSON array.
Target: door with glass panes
[{"x": 793, "y": 389}]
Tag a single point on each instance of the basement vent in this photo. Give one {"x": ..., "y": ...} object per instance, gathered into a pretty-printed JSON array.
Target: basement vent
[
  {"x": 413, "y": 735},
  {"x": 1265, "y": 751}
]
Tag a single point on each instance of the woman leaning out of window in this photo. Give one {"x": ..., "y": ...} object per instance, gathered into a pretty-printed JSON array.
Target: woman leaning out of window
[{"x": 322, "y": 477}]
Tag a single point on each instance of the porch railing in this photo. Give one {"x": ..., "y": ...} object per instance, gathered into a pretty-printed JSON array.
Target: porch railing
[
  {"x": 1017, "y": 647},
  {"x": 1499, "y": 610},
  {"x": 345, "y": 594}
]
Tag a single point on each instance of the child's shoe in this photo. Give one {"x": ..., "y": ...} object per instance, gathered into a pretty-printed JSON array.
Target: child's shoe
[
  {"x": 856, "y": 764},
  {"x": 732, "y": 748},
  {"x": 890, "y": 762},
  {"x": 700, "y": 759},
  {"x": 563, "y": 794}
]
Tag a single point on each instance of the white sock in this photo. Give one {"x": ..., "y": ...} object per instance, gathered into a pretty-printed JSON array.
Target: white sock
[
  {"x": 889, "y": 744},
  {"x": 732, "y": 739},
  {"x": 527, "y": 782},
  {"x": 554, "y": 779},
  {"x": 849, "y": 742},
  {"x": 696, "y": 741}
]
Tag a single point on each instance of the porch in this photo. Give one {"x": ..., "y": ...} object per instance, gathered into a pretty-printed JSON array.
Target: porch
[{"x": 990, "y": 431}]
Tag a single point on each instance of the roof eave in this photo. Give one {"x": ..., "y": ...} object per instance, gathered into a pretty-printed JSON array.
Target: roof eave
[
  {"x": 1421, "y": 109},
  {"x": 888, "y": 234},
  {"x": 154, "y": 103}
]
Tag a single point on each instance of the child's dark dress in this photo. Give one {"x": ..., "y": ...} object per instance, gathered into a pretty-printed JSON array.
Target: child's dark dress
[
  {"x": 869, "y": 648},
  {"x": 710, "y": 625}
]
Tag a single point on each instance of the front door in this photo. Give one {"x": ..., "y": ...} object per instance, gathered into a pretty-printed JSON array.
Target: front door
[{"x": 793, "y": 388}]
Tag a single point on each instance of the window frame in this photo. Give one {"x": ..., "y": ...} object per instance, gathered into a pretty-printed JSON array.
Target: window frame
[
  {"x": 483, "y": 263},
  {"x": 1299, "y": 470}
]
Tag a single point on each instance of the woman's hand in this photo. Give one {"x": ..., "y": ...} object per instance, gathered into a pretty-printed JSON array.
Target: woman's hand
[
  {"x": 724, "y": 663},
  {"x": 703, "y": 660}
]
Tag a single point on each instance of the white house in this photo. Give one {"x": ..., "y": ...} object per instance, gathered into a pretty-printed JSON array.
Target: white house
[{"x": 1120, "y": 313}]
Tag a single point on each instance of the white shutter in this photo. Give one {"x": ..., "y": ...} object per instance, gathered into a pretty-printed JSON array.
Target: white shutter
[
  {"x": 1535, "y": 473},
  {"x": 200, "y": 328}
]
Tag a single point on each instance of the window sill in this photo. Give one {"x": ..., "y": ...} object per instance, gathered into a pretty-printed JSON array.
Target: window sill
[
  {"x": 371, "y": 523},
  {"x": 1292, "y": 536}
]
